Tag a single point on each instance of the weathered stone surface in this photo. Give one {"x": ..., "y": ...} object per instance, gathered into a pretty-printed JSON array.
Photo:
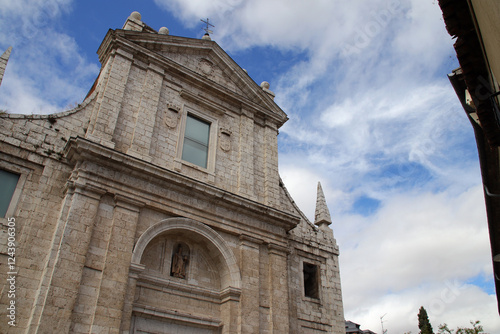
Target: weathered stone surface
[{"x": 105, "y": 199}]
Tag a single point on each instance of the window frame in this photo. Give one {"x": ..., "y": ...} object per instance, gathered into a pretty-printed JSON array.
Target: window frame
[
  {"x": 212, "y": 140},
  {"x": 202, "y": 145},
  {"x": 16, "y": 196},
  {"x": 317, "y": 278}
]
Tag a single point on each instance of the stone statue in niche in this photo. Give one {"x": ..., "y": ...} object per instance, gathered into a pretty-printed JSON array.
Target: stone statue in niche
[{"x": 179, "y": 263}]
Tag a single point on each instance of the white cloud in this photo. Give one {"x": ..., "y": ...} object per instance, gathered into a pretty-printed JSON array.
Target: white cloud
[
  {"x": 45, "y": 72},
  {"x": 419, "y": 249},
  {"x": 404, "y": 122},
  {"x": 23, "y": 20},
  {"x": 423, "y": 38},
  {"x": 449, "y": 302},
  {"x": 379, "y": 144}
]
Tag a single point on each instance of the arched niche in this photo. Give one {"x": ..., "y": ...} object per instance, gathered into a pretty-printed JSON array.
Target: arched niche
[{"x": 195, "y": 231}]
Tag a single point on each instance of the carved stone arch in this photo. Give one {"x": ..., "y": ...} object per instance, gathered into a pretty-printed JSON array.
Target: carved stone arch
[{"x": 230, "y": 275}]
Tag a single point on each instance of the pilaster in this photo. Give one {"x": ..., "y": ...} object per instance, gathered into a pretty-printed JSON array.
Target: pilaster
[
  {"x": 246, "y": 175},
  {"x": 134, "y": 272},
  {"x": 102, "y": 126},
  {"x": 66, "y": 273},
  {"x": 278, "y": 283},
  {"x": 230, "y": 314},
  {"x": 271, "y": 176},
  {"x": 146, "y": 115},
  {"x": 84, "y": 309},
  {"x": 115, "y": 275},
  {"x": 249, "y": 305}
]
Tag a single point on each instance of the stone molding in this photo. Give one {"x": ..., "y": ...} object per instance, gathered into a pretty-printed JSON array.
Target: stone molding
[
  {"x": 193, "y": 292},
  {"x": 127, "y": 203},
  {"x": 203, "y": 101},
  {"x": 230, "y": 294},
  {"x": 278, "y": 249},
  {"x": 249, "y": 241},
  {"x": 184, "y": 318}
]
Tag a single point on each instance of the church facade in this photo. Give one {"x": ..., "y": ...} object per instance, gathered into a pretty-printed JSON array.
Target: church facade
[{"x": 156, "y": 205}]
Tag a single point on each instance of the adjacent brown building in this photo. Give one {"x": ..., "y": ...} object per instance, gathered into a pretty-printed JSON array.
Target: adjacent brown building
[{"x": 476, "y": 26}]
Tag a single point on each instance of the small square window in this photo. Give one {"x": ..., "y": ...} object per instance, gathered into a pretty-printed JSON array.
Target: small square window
[
  {"x": 311, "y": 280},
  {"x": 196, "y": 138},
  {"x": 8, "y": 183}
]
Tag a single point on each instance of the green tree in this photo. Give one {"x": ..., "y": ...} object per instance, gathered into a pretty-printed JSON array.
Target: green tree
[
  {"x": 476, "y": 329},
  {"x": 423, "y": 322}
]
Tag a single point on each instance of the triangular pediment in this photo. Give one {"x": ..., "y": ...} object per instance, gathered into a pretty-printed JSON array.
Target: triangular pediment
[{"x": 206, "y": 62}]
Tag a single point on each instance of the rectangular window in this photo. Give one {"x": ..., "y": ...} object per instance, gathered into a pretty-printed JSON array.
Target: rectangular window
[
  {"x": 311, "y": 280},
  {"x": 195, "y": 146},
  {"x": 8, "y": 183}
]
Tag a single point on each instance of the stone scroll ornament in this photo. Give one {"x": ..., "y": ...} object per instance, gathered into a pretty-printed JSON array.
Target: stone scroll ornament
[
  {"x": 225, "y": 139},
  {"x": 172, "y": 115}
]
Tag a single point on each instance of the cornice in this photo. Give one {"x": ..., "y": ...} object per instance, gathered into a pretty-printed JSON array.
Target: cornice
[{"x": 80, "y": 149}]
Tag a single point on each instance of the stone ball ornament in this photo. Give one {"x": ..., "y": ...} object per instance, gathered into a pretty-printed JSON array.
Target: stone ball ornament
[{"x": 135, "y": 16}]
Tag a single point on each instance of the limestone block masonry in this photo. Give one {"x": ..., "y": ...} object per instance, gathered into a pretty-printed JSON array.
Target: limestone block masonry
[{"x": 119, "y": 230}]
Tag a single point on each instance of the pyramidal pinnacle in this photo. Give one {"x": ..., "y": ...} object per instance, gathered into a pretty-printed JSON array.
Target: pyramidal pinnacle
[
  {"x": 322, "y": 214},
  {"x": 3, "y": 62}
]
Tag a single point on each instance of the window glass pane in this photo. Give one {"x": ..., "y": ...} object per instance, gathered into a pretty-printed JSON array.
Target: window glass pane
[
  {"x": 197, "y": 130},
  {"x": 195, "y": 147},
  {"x": 195, "y": 153},
  {"x": 8, "y": 183}
]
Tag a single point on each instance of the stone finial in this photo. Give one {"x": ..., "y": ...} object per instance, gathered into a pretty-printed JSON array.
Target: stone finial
[
  {"x": 206, "y": 37},
  {"x": 3, "y": 62},
  {"x": 135, "y": 16},
  {"x": 163, "y": 31},
  {"x": 322, "y": 214},
  {"x": 134, "y": 22},
  {"x": 265, "y": 87}
]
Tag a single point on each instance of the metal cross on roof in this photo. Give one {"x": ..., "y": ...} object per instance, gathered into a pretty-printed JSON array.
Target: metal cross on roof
[{"x": 207, "y": 29}]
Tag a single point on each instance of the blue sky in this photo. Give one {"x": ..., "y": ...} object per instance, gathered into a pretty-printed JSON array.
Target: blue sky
[{"x": 372, "y": 116}]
